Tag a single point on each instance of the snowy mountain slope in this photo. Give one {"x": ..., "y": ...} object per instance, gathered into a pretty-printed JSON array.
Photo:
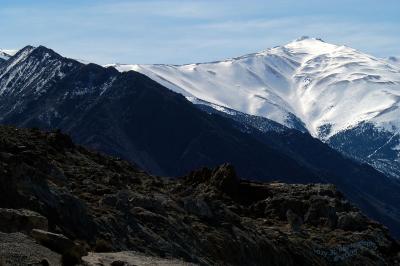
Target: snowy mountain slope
[
  {"x": 330, "y": 88},
  {"x": 32, "y": 69},
  {"x": 250, "y": 121},
  {"x": 6, "y": 54},
  {"x": 314, "y": 80}
]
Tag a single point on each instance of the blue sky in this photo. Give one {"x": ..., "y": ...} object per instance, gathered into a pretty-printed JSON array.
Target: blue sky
[{"x": 160, "y": 31}]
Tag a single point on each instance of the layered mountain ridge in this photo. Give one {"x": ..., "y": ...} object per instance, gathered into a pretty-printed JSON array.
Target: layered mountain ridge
[
  {"x": 131, "y": 116},
  {"x": 327, "y": 89}
]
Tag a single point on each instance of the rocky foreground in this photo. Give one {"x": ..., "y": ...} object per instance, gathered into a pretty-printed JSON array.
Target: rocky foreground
[{"x": 61, "y": 202}]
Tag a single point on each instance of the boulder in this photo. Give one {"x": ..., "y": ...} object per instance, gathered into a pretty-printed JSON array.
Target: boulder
[
  {"x": 56, "y": 242},
  {"x": 21, "y": 220},
  {"x": 20, "y": 249},
  {"x": 225, "y": 179}
]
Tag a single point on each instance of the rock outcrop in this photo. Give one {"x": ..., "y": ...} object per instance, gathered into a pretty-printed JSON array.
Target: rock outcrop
[
  {"x": 12, "y": 221},
  {"x": 209, "y": 217},
  {"x": 55, "y": 242},
  {"x": 17, "y": 249}
]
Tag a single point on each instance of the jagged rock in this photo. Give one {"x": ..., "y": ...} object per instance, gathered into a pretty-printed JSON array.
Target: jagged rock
[
  {"x": 56, "y": 242},
  {"x": 21, "y": 220},
  {"x": 222, "y": 178},
  {"x": 210, "y": 217},
  {"x": 225, "y": 179}
]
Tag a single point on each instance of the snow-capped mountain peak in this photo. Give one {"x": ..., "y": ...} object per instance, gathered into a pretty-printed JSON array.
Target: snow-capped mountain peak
[
  {"x": 307, "y": 84},
  {"x": 311, "y": 46},
  {"x": 309, "y": 79}
]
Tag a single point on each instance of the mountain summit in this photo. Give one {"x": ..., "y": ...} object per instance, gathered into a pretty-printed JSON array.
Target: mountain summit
[
  {"x": 334, "y": 92},
  {"x": 307, "y": 77}
]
